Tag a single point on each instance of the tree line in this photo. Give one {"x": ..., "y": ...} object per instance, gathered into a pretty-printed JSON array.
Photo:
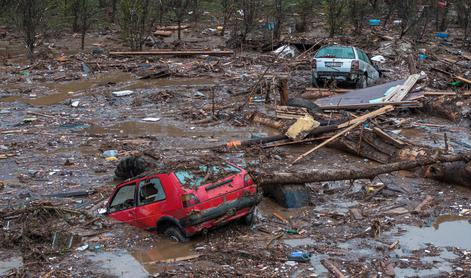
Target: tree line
[{"x": 137, "y": 19}]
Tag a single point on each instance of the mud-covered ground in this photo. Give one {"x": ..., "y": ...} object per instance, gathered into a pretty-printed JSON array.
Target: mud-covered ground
[{"x": 58, "y": 116}]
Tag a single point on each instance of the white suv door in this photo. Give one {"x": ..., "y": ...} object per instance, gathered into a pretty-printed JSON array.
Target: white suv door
[{"x": 367, "y": 66}]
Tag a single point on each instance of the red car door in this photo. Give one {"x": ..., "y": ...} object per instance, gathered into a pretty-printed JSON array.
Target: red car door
[
  {"x": 122, "y": 205},
  {"x": 155, "y": 198}
]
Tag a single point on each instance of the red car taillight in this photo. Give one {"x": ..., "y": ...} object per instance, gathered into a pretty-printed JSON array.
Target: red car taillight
[
  {"x": 314, "y": 64},
  {"x": 248, "y": 180},
  {"x": 189, "y": 200},
  {"x": 355, "y": 65}
]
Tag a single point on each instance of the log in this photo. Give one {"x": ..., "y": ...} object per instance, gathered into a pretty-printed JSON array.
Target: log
[
  {"x": 332, "y": 268},
  {"x": 174, "y": 53},
  {"x": 265, "y": 120},
  {"x": 317, "y": 94},
  {"x": 283, "y": 178},
  {"x": 352, "y": 124},
  {"x": 331, "y": 139},
  {"x": 422, "y": 204},
  {"x": 363, "y": 118},
  {"x": 454, "y": 172},
  {"x": 284, "y": 92}
]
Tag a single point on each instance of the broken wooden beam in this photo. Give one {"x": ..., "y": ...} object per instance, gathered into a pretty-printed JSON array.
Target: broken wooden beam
[
  {"x": 265, "y": 120},
  {"x": 423, "y": 204},
  {"x": 332, "y": 268},
  {"x": 401, "y": 104},
  {"x": 352, "y": 124},
  {"x": 400, "y": 92},
  {"x": 283, "y": 178},
  {"x": 174, "y": 53}
]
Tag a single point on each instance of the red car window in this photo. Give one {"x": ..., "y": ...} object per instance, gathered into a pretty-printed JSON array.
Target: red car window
[
  {"x": 124, "y": 198},
  {"x": 150, "y": 191}
]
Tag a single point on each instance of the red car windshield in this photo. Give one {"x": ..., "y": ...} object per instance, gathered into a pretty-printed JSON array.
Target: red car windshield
[{"x": 203, "y": 174}]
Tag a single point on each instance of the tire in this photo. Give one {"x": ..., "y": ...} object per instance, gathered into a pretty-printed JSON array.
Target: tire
[
  {"x": 130, "y": 167},
  {"x": 362, "y": 82},
  {"x": 249, "y": 219},
  {"x": 311, "y": 107},
  {"x": 175, "y": 234}
]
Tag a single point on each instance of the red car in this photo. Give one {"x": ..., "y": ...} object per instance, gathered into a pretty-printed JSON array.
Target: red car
[{"x": 183, "y": 202}]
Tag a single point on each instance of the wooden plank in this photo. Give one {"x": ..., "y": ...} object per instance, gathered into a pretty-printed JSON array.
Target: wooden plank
[
  {"x": 331, "y": 139},
  {"x": 336, "y": 90},
  {"x": 356, "y": 122},
  {"x": 172, "y": 27},
  {"x": 385, "y": 109},
  {"x": 174, "y": 53},
  {"x": 387, "y": 137},
  {"x": 438, "y": 93},
  {"x": 400, "y": 92},
  {"x": 462, "y": 79},
  {"x": 332, "y": 268},
  {"x": 405, "y": 104}
]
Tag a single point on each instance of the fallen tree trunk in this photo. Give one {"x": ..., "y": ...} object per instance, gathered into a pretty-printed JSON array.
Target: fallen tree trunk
[
  {"x": 280, "y": 178},
  {"x": 174, "y": 53},
  {"x": 454, "y": 172}
]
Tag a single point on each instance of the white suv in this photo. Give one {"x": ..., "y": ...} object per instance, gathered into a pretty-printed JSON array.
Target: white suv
[{"x": 344, "y": 64}]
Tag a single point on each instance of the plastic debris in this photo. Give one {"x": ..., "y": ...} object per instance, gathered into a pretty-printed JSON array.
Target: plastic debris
[
  {"x": 110, "y": 153},
  {"x": 122, "y": 93}
]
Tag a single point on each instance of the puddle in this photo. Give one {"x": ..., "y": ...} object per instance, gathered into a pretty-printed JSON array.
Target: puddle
[
  {"x": 157, "y": 83},
  {"x": 9, "y": 263},
  {"x": 146, "y": 129},
  {"x": 118, "y": 263},
  {"x": 446, "y": 231},
  {"x": 268, "y": 207},
  {"x": 164, "y": 251},
  {"x": 141, "y": 263},
  {"x": 298, "y": 242},
  {"x": 80, "y": 85},
  {"x": 64, "y": 88}
]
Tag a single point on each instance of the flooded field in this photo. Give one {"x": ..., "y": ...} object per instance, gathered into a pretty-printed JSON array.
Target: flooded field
[{"x": 66, "y": 124}]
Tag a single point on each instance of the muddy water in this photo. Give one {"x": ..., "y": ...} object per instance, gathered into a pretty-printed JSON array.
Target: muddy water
[
  {"x": 80, "y": 85},
  {"x": 446, "y": 231},
  {"x": 118, "y": 264},
  {"x": 9, "y": 262},
  {"x": 67, "y": 90},
  {"x": 158, "y": 83},
  {"x": 141, "y": 263},
  {"x": 164, "y": 251},
  {"x": 161, "y": 129}
]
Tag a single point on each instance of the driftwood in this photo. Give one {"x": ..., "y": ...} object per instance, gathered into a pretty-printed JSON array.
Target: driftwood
[
  {"x": 282, "y": 178},
  {"x": 443, "y": 107},
  {"x": 454, "y": 172},
  {"x": 332, "y": 268},
  {"x": 174, "y": 53}
]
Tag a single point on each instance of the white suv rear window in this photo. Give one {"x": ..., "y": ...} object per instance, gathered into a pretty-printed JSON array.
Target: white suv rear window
[{"x": 336, "y": 52}]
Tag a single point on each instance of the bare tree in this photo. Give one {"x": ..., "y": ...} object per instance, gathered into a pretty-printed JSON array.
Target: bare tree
[
  {"x": 464, "y": 17},
  {"x": 335, "y": 13},
  {"x": 88, "y": 9},
  {"x": 134, "y": 22},
  {"x": 228, "y": 10},
  {"x": 180, "y": 10},
  {"x": 29, "y": 16},
  {"x": 249, "y": 9},
  {"x": 305, "y": 9},
  {"x": 357, "y": 13},
  {"x": 279, "y": 16}
]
